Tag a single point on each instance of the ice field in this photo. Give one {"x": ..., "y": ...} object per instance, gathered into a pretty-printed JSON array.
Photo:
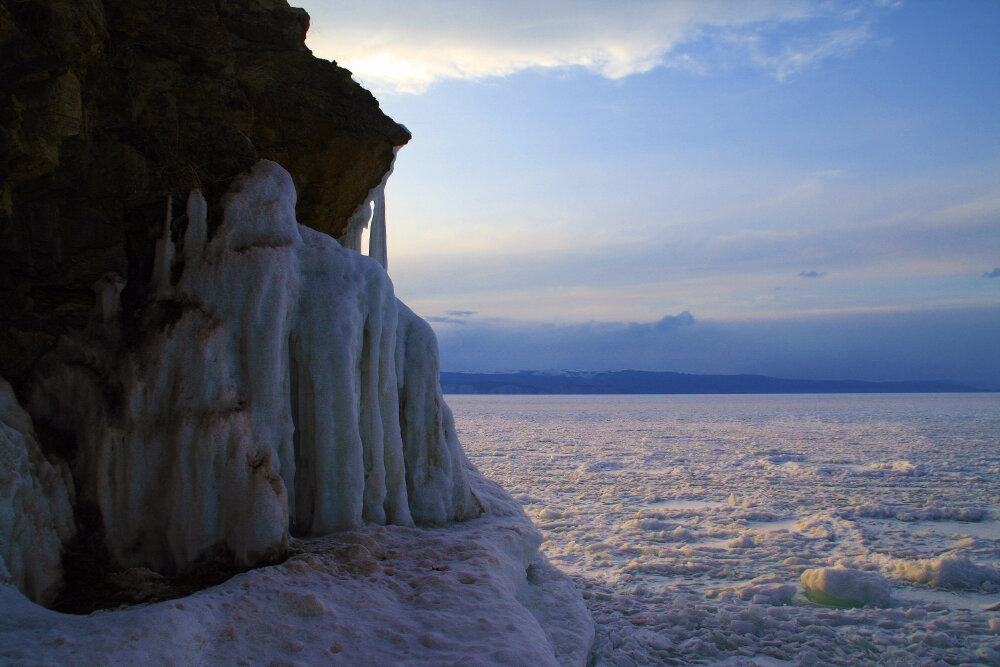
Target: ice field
[{"x": 695, "y": 524}]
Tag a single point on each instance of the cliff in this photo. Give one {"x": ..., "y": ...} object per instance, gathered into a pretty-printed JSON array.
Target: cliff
[
  {"x": 108, "y": 107},
  {"x": 210, "y": 397}
]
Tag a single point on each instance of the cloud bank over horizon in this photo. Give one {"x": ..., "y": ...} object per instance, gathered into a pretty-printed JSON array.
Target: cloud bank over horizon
[
  {"x": 954, "y": 344},
  {"x": 404, "y": 47}
]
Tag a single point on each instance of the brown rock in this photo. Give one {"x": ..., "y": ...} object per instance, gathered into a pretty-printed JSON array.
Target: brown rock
[{"x": 109, "y": 106}]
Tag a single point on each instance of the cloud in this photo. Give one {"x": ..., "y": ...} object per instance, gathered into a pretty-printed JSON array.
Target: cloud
[
  {"x": 445, "y": 320},
  {"x": 995, "y": 273},
  {"x": 927, "y": 344},
  {"x": 812, "y": 274},
  {"x": 404, "y": 46},
  {"x": 461, "y": 313},
  {"x": 799, "y": 55}
]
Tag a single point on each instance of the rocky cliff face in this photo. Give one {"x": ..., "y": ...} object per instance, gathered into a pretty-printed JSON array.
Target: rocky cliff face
[{"x": 109, "y": 107}]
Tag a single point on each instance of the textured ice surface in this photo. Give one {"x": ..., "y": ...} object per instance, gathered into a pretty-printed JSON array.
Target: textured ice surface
[
  {"x": 689, "y": 520},
  {"x": 36, "y": 519},
  {"x": 470, "y": 593},
  {"x": 846, "y": 587},
  {"x": 270, "y": 393}
]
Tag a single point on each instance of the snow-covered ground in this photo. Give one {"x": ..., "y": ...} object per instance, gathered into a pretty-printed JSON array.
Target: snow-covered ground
[
  {"x": 466, "y": 593},
  {"x": 762, "y": 530}
]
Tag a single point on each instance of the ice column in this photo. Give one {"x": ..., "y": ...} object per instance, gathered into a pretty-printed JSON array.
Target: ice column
[
  {"x": 164, "y": 257},
  {"x": 377, "y": 247},
  {"x": 356, "y": 225}
]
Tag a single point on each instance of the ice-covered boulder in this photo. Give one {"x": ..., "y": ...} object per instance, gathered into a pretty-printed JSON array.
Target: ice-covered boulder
[
  {"x": 36, "y": 518},
  {"x": 277, "y": 387},
  {"x": 846, "y": 587}
]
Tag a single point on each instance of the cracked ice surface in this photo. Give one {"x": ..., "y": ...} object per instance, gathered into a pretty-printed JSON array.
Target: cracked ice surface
[{"x": 688, "y": 521}]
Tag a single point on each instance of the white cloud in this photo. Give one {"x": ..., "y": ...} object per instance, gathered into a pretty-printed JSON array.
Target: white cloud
[{"x": 404, "y": 46}]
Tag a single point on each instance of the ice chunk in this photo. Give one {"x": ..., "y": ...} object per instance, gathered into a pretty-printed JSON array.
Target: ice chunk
[
  {"x": 846, "y": 587},
  {"x": 947, "y": 571}
]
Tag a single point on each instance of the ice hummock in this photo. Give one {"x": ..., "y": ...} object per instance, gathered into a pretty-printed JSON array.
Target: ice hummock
[{"x": 846, "y": 587}]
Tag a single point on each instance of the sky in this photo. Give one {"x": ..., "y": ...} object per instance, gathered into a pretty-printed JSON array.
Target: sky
[{"x": 803, "y": 189}]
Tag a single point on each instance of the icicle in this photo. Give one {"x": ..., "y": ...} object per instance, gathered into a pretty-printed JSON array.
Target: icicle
[
  {"x": 377, "y": 242},
  {"x": 372, "y": 210},
  {"x": 164, "y": 257},
  {"x": 194, "y": 237},
  {"x": 357, "y": 224},
  {"x": 108, "y": 289}
]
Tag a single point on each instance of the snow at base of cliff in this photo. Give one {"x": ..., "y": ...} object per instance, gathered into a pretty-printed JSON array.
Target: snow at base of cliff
[{"x": 475, "y": 592}]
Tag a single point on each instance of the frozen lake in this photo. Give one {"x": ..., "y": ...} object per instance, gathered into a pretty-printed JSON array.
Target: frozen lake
[{"x": 687, "y": 520}]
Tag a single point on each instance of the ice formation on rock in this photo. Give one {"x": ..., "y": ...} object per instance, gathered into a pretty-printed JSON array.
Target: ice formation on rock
[
  {"x": 36, "y": 518},
  {"x": 282, "y": 389},
  {"x": 371, "y": 211}
]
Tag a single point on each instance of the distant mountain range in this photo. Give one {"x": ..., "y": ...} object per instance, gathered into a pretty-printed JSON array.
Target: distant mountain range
[{"x": 651, "y": 382}]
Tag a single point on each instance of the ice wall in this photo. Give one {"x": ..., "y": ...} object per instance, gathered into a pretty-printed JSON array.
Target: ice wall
[
  {"x": 36, "y": 518},
  {"x": 276, "y": 387}
]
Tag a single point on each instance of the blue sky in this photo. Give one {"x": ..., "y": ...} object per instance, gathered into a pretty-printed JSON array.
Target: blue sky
[{"x": 805, "y": 189}]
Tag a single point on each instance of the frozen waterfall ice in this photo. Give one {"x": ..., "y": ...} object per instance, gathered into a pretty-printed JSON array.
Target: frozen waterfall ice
[
  {"x": 371, "y": 211},
  {"x": 35, "y": 514},
  {"x": 278, "y": 388}
]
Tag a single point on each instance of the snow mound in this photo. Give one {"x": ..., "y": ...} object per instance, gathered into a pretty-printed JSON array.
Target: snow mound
[{"x": 846, "y": 587}]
